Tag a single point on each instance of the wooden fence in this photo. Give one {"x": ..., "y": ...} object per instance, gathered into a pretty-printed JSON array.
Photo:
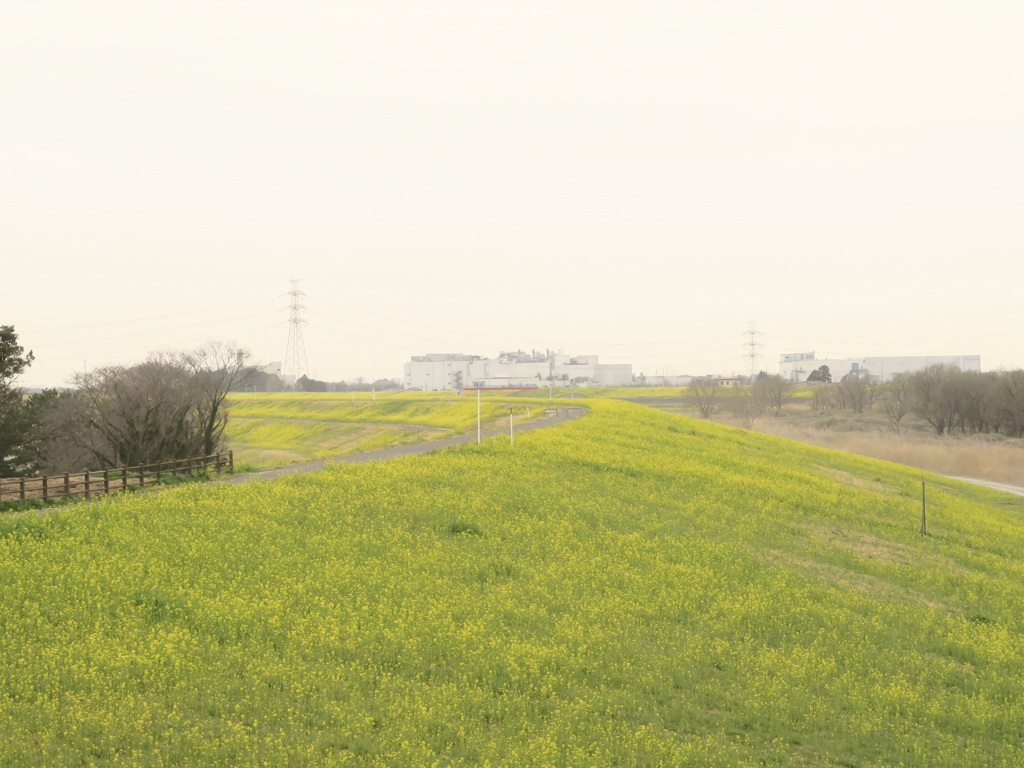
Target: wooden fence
[{"x": 99, "y": 482}]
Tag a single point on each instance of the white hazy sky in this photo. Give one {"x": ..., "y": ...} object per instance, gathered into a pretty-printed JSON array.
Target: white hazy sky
[{"x": 636, "y": 180}]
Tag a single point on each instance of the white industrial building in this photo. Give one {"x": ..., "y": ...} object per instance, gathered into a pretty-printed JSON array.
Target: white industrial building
[
  {"x": 512, "y": 369},
  {"x": 797, "y": 366}
]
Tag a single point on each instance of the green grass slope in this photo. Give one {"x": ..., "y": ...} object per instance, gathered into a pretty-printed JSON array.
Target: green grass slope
[
  {"x": 266, "y": 430},
  {"x": 631, "y": 588}
]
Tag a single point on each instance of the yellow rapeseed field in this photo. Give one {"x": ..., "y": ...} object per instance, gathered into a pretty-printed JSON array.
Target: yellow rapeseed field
[{"x": 632, "y": 588}]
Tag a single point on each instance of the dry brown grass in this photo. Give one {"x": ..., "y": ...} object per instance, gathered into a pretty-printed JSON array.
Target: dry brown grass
[{"x": 999, "y": 461}]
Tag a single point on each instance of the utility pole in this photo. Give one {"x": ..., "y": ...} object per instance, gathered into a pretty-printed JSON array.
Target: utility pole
[
  {"x": 295, "y": 363},
  {"x": 752, "y": 347}
]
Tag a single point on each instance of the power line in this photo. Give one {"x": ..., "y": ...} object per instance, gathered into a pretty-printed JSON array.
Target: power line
[
  {"x": 134, "y": 321},
  {"x": 148, "y": 332},
  {"x": 395, "y": 324}
]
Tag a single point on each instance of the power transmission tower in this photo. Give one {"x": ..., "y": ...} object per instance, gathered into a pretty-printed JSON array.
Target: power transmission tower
[
  {"x": 295, "y": 364},
  {"x": 753, "y": 348}
]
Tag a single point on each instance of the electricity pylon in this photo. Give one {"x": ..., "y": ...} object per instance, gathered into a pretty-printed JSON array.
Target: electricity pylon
[
  {"x": 753, "y": 348},
  {"x": 295, "y": 363}
]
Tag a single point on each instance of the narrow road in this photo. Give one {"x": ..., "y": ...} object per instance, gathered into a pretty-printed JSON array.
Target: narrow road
[
  {"x": 996, "y": 486},
  {"x": 564, "y": 414}
]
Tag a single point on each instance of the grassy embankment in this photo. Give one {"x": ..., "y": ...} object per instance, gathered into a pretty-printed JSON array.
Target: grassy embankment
[
  {"x": 632, "y": 588},
  {"x": 985, "y": 456},
  {"x": 278, "y": 429}
]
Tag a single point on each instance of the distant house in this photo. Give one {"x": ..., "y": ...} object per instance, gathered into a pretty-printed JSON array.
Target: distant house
[{"x": 729, "y": 381}]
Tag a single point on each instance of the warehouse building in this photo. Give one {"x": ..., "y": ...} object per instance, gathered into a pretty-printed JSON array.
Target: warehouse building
[{"x": 512, "y": 369}]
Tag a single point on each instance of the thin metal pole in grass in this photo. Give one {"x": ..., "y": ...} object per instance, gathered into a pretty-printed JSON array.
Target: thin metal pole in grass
[
  {"x": 478, "y": 389},
  {"x": 924, "y": 521},
  {"x": 511, "y": 437}
]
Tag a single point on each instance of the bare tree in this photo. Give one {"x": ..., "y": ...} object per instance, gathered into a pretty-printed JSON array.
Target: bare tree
[
  {"x": 974, "y": 393},
  {"x": 929, "y": 389},
  {"x": 852, "y": 393},
  {"x": 216, "y": 370},
  {"x": 875, "y": 392},
  {"x": 772, "y": 391},
  {"x": 823, "y": 399},
  {"x": 1009, "y": 402},
  {"x": 704, "y": 393},
  {"x": 172, "y": 406},
  {"x": 136, "y": 414},
  {"x": 749, "y": 405},
  {"x": 896, "y": 401}
]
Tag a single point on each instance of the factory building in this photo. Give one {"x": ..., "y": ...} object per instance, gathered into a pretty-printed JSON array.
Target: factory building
[{"x": 512, "y": 369}]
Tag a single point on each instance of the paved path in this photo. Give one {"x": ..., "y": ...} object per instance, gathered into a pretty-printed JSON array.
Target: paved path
[
  {"x": 989, "y": 484},
  {"x": 564, "y": 414}
]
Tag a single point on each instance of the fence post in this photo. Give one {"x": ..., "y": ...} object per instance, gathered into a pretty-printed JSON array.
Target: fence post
[
  {"x": 159, "y": 472},
  {"x": 88, "y": 485},
  {"x": 106, "y": 481},
  {"x": 231, "y": 461},
  {"x": 46, "y": 488},
  {"x": 21, "y": 488},
  {"x": 924, "y": 522},
  {"x": 124, "y": 477},
  {"x": 67, "y": 484},
  {"x": 142, "y": 475}
]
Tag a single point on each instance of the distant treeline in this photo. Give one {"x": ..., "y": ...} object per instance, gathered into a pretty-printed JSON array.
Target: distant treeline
[
  {"x": 261, "y": 381},
  {"x": 948, "y": 399},
  {"x": 943, "y": 396},
  {"x": 968, "y": 402}
]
